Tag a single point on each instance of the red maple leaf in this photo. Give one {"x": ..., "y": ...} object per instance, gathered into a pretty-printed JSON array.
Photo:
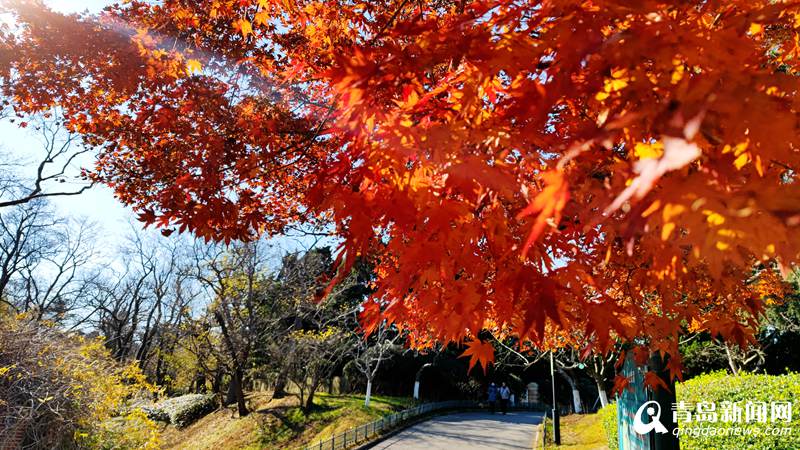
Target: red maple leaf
[{"x": 479, "y": 352}]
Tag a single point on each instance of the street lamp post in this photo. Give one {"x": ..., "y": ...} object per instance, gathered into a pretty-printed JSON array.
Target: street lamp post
[{"x": 556, "y": 425}]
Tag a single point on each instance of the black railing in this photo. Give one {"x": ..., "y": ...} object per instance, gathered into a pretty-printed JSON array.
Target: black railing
[{"x": 366, "y": 432}]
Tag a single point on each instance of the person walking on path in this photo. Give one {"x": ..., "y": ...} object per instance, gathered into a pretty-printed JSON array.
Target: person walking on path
[
  {"x": 492, "y": 397},
  {"x": 505, "y": 394}
]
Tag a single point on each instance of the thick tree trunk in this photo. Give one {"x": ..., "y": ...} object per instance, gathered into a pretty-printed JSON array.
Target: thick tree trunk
[
  {"x": 602, "y": 393},
  {"x": 309, "y": 401},
  {"x": 280, "y": 382},
  {"x": 310, "y": 398},
  {"x": 576, "y": 394},
  {"x": 576, "y": 399},
  {"x": 237, "y": 382},
  {"x": 369, "y": 393},
  {"x": 230, "y": 396},
  {"x": 216, "y": 383}
]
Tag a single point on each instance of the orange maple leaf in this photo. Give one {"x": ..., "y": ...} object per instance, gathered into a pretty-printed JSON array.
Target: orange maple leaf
[
  {"x": 653, "y": 381},
  {"x": 621, "y": 383},
  {"x": 546, "y": 206},
  {"x": 479, "y": 352}
]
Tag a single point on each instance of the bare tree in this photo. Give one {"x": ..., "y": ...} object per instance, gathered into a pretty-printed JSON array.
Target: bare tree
[
  {"x": 21, "y": 232},
  {"x": 45, "y": 261},
  {"x": 53, "y": 284},
  {"x": 56, "y": 172},
  {"x": 372, "y": 350},
  {"x": 139, "y": 308}
]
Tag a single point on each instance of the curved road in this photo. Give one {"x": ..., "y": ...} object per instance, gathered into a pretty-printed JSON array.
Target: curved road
[{"x": 468, "y": 431}]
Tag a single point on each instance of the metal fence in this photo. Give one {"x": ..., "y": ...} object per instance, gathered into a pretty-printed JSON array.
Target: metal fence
[{"x": 363, "y": 433}]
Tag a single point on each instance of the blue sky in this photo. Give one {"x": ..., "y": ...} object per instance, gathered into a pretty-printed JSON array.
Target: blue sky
[{"x": 98, "y": 204}]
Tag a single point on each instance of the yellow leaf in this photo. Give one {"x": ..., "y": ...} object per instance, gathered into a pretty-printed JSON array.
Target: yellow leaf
[
  {"x": 742, "y": 160},
  {"x": 677, "y": 74},
  {"x": 671, "y": 210},
  {"x": 244, "y": 26},
  {"x": 715, "y": 219},
  {"x": 652, "y": 208},
  {"x": 193, "y": 66},
  {"x": 644, "y": 150},
  {"x": 667, "y": 230},
  {"x": 618, "y": 81},
  {"x": 618, "y": 72},
  {"x": 615, "y": 84},
  {"x": 755, "y": 28},
  {"x": 413, "y": 99}
]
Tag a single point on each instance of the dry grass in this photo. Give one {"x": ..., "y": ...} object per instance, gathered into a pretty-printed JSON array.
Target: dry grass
[
  {"x": 579, "y": 432},
  {"x": 279, "y": 423}
]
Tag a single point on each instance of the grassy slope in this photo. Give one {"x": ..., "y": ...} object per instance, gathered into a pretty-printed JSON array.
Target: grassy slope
[
  {"x": 579, "y": 432},
  {"x": 279, "y": 423}
]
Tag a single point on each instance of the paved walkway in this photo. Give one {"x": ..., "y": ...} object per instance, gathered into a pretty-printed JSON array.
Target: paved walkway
[{"x": 468, "y": 431}]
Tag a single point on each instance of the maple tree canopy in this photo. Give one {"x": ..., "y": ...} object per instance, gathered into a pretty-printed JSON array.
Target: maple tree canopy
[{"x": 560, "y": 171}]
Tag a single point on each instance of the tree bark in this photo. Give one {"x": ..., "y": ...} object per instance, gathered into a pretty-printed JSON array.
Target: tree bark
[
  {"x": 216, "y": 383},
  {"x": 280, "y": 382},
  {"x": 237, "y": 382},
  {"x": 576, "y": 394},
  {"x": 236, "y": 388},
  {"x": 230, "y": 396},
  {"x": 310, "y": 398},
  {"x": 369, "y": 393},
  {"x": 603, "y": 395},
  {"x": 731, "y": 360}
]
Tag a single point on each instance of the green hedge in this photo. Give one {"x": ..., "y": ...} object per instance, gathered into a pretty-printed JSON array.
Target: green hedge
[
  {"x": 718, "y": 387},
  {"x": 608, "y": 415}
]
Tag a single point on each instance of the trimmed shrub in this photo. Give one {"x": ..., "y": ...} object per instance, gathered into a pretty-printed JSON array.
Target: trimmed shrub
[
  {"x": 608, "y": 414},
  {"x": 153, "y": 412},
  {"x": 181, "y": 411},
  {"x": 718, "y": 387}
]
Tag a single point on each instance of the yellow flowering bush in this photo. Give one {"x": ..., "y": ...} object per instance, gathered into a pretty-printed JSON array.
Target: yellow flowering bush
[{"x": 61, "y": 390}]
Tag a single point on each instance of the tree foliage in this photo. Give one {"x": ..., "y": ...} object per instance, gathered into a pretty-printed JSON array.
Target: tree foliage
[{"x": 613, "y": 168}]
